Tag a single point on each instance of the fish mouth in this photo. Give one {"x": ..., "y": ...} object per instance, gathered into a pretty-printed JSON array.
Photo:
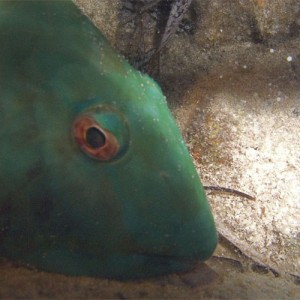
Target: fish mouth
[
  {"x": 124, "y": 266},
  {"x": 153, "y": 265}
]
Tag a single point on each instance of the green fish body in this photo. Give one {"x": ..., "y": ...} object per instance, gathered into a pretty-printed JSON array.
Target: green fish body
[{"x": 94, "y": 176}]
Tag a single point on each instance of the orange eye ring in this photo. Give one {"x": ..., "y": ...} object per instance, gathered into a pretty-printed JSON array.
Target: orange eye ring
[{"x": 95, "y": 141}]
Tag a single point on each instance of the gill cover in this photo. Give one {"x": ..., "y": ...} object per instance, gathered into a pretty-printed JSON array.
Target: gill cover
[{"x": 94, "y": 176}]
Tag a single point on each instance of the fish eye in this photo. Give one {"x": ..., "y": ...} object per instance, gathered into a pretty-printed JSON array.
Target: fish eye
[{"x": 96, "y": 141}]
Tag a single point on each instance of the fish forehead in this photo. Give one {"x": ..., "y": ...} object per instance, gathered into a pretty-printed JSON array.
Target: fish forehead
[{"x": 76, "y": 61}]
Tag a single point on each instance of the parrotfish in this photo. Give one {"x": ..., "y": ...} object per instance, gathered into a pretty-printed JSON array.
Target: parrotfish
[{"x": 95, "y": 177}]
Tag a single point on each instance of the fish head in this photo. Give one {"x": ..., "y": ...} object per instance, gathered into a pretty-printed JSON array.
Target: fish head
[
  {"x": 130, "y": 181},
  {"x": 104, "y": 184}
]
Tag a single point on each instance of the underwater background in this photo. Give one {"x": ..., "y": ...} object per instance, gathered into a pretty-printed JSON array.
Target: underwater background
[{"x": 231, "y": 77}]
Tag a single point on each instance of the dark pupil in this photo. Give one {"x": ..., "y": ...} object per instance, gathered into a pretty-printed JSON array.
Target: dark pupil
[{"x": 95, "y": 138}]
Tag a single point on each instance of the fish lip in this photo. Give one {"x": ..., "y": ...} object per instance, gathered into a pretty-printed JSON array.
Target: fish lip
[
  {"x": 157, "y": 265},
  {"x": 169, "y": 258}
]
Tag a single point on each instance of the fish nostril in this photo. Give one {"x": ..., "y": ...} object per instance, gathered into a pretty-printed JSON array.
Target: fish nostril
[{"x": 164, "y": 175}]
